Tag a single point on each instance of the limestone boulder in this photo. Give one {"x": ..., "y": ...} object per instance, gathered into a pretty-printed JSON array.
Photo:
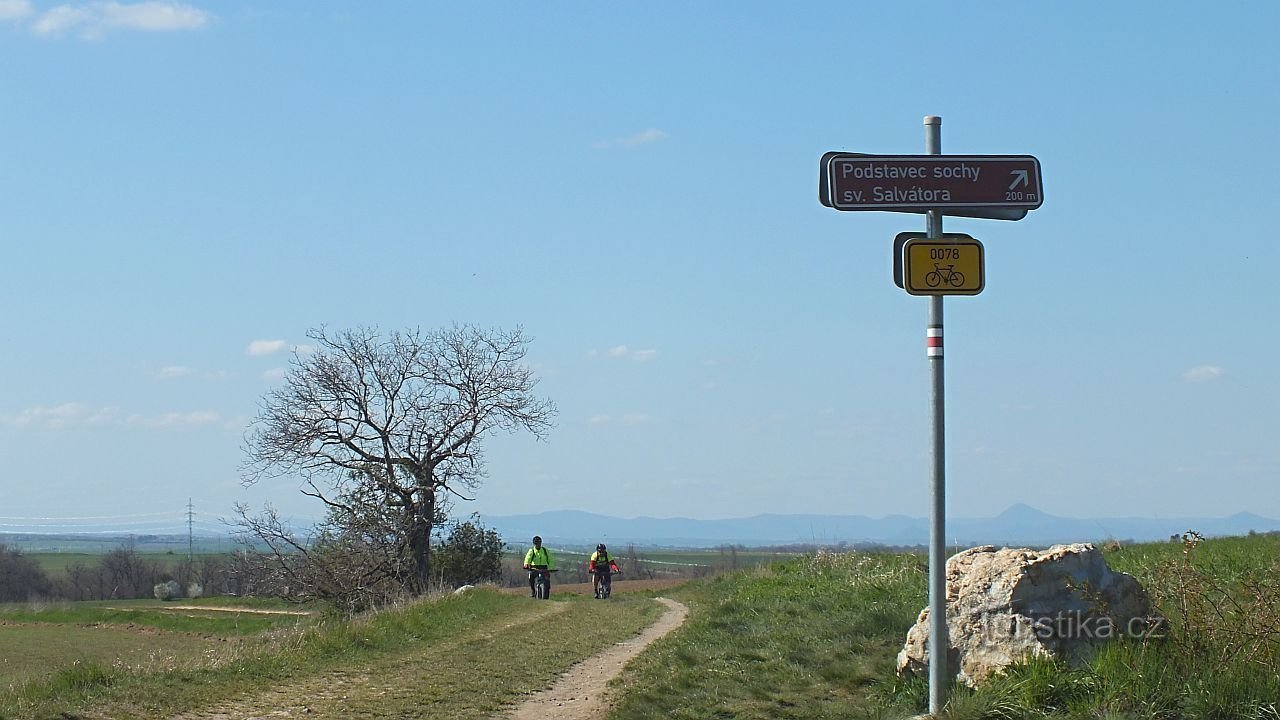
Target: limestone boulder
[{"x": 1010, "y": 603}]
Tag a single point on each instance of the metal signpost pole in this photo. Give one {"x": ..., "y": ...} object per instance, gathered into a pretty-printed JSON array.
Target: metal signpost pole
[
  {"x": 938, "y": 642},
  {"x": 991, "y": 187}
]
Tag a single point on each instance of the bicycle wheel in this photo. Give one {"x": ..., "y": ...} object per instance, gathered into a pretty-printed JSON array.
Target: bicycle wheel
[
  {"x": 606, "y": 587},
  {"x": 957, "y": 279},
  {"x": 932, "y": 278},
  {"x": 540, "y": 587}
]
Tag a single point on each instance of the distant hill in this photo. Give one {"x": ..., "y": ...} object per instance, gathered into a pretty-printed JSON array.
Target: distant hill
[{"x": 1017, "y": 525}]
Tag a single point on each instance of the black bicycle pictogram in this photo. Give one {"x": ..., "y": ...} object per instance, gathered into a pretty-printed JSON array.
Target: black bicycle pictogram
[{"x": 947, "y": 274}]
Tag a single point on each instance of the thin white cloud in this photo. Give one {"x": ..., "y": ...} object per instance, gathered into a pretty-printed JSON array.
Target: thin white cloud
[
  {"x": 270, "y": 347},
  {"x": 188, "y": 419},
  {"x": 14, "y": 10},
  {"x": 644, "y": 137},
  {"x": 175, "y": 371},
  {"x": 598, "y": 420},
  {"x": 154, "y": 16},
  {"x": 172, "y": 372},
  {"x": 266, "y": 347},
  {"x": 622, "y": 352},
  {"x": 78, "y": 415},
  {"x": 93, "y": 20},
  {"x": 273, "y": 375},
  {"x": 1203, "y": 373},
  {"x": 61, "y": 19},
  {"x": 59, "y": 416}
]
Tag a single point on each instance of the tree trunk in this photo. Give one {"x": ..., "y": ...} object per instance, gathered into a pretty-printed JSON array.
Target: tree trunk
[{"x": 420, "y": 541}]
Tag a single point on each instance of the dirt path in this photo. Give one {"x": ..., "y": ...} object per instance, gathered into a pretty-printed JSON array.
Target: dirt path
[
  {"x": 295, "y": 699},
  {"x": 355, "y": 691},
  {"x": 579, "y": 693}
]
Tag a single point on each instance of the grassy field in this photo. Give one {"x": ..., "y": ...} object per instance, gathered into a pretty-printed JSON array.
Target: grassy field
[
  {"x": 810, "y": 637},
  {"x": 816, "y": 638},
  {"x": 100, "y": 544},
  {"x": 653, "y": 563},
  {"x": 37, "y": 642},
  {"x": 464, "y": 656},
  {"x": 55, "y": 564}
]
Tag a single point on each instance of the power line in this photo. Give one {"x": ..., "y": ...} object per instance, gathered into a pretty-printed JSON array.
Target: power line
[
  {"x": 88, "y": 517},
  {"x": 190, "y": 515},
  {"x": 172, "y": 530},
  {"x": 153, "y": 523}
]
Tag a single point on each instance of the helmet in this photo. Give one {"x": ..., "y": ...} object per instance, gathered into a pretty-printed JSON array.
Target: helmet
[
  {"x": 537, "y": 539},
  {"x": 600, "y": 547}
]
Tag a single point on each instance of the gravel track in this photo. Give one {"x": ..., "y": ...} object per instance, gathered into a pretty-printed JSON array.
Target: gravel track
[{"x": 580, "y": 693}]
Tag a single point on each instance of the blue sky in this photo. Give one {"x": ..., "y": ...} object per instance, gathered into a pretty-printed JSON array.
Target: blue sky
[{"x": 187, "y": 188}]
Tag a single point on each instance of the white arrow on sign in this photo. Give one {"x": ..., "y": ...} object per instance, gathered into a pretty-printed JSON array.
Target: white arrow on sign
[{"x": 1019, "y": 176}]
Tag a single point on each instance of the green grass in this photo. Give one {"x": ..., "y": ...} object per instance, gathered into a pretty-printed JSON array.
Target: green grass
[
  {"x": 55, "y": 564},
  {"x": 817, "y": 639},
  {"x": 45, "y": 641},
  {"x": 39, "y": 653},
  {"x": 154, "y": 614},
  {"x": 812, "y": 638},
  {"x": 455, "y": 657},
  {"x": 1228, "y": 558}
]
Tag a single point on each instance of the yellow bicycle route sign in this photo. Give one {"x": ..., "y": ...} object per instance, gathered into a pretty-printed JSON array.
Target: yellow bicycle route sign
[{"x": 953, "y": 265}]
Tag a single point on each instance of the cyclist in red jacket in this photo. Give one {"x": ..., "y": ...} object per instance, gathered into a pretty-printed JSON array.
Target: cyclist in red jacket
[{"x": 601, "y": 564}]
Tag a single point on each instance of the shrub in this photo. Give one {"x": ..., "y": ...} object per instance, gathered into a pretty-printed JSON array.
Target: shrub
[
  {"x": 1222, "y": 615},
  {"x": 471, "y": 554},
  {"x": 168, "y": 590},
  {"x": 20, "y": 576}
]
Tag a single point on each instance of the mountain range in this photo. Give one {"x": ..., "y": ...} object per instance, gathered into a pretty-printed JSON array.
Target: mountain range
[{"x": 1018, "y": 525}]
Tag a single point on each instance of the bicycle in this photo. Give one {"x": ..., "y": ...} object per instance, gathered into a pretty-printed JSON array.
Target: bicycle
[
  {"x": 939, "y": 275},
  {"x": 541, "y": 582},
  {"x": 605, "y": 587}
]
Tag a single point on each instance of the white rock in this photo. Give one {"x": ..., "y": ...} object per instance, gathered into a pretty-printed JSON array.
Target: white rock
[{"x": 1006, "y": 604}]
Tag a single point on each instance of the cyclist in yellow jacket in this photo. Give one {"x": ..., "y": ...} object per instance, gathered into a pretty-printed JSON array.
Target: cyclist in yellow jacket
[{"x": 539, "y": 559}]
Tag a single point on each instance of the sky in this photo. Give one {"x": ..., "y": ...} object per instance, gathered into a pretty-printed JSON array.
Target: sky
[{"x": 187, "y": 188}]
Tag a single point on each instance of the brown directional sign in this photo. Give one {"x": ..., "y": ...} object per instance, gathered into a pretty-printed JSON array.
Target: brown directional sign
[{"x": 988, "y": 186}]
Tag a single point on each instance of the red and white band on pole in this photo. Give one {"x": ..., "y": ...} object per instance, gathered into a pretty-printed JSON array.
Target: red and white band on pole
[{"x": 933, "y": 341}]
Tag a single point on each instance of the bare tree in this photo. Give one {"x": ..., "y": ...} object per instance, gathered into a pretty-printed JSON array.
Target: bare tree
[
  {"x": 128, "y": 573},
  {"x": 384, "y": 428}
]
